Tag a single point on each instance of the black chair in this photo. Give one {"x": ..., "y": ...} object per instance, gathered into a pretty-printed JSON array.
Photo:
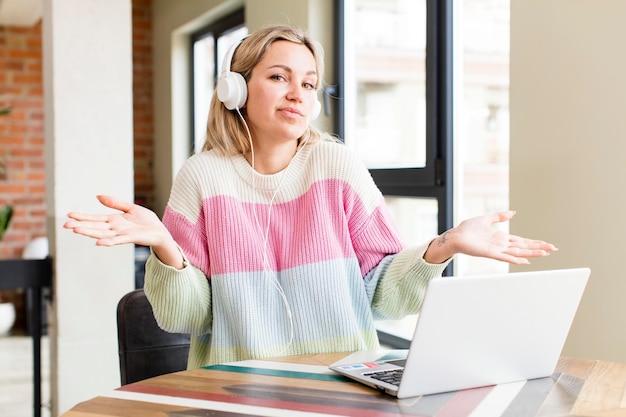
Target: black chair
[{"x": 145, "y": 349}]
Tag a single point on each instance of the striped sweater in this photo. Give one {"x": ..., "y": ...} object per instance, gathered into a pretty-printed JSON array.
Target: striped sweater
[{"x": 298, "y": 262}]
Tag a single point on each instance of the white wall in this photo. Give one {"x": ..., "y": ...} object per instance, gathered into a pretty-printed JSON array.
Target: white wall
[
  {"x": 89, "y": 150},
  {"x": 568, "y": 152}
]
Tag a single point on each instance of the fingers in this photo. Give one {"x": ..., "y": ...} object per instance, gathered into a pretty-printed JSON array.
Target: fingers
[
  {"x": 115, "y": 203},
  {"x": 94, "y": 233},
  {"x": 502, "y": 216},
  {"x": 514, "y": 260},
  {"x": 103, "y": 237},
  {"x": 96, "y": 221},
  {"x": 524, "y": 243},
  {"x": 522, "y": 247},
  {"x": 526, "y": 253},
  {"x": 515, "y": 256},
  {"x": 87, "y": 217},
  {"x": 107, "y": 201},
  {"x": 521, "y": 251},
  {"x": 106, "y": 233},
  {"x": 114, "y": 240},
  {"x": 91, "y": 221}
]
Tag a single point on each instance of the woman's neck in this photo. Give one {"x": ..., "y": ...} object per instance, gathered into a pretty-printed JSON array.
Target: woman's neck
[{"x": 271, "y": 159}]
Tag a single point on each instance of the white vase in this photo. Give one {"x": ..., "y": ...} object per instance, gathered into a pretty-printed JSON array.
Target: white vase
[{"x": 7, "y": 318}]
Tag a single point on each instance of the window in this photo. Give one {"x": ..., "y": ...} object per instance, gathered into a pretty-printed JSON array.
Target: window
[
  {"x": 395, "y": 89},
  {"x": 421, "y": 81},
  {"x": 481, "y": 136},
  {"x": 396, "y": 105},
  {"x": 208, "y": 47},
  {"x": 388, "y": 58}
]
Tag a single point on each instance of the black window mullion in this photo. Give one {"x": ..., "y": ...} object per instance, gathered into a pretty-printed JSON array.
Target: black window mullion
[
  {"x": 444, "y": 115},
  {"x": 340, "y": 71}
]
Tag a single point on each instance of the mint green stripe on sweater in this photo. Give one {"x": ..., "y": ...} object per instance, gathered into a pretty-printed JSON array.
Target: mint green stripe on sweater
[{"x": 277, "y": 372}]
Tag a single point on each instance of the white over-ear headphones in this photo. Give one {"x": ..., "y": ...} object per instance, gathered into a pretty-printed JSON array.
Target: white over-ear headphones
[
  {"x": 232, "y": 89},
  {"x": 231, "y": 86}
]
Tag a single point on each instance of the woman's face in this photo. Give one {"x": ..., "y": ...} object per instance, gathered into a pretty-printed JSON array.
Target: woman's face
[{"x": 281, "y": 93}]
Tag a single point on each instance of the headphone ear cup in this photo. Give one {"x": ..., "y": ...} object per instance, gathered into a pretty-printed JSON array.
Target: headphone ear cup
[
  {"x": 317, "y": 109},
  {"x": 232, "y": 90}
]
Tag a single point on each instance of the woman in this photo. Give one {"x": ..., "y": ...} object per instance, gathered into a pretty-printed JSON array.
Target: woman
[{"x": 275, "y": 240}]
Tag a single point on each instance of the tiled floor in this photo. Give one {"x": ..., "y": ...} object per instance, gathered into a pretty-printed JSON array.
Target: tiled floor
[{"x": 16, "y": 376}]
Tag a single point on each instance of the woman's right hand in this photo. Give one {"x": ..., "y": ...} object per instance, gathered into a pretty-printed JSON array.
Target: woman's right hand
[{"x": 133, "y": 224}]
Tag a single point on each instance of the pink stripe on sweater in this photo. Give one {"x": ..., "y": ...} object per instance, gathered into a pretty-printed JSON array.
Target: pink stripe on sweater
[{"x": 328, "y": 222}]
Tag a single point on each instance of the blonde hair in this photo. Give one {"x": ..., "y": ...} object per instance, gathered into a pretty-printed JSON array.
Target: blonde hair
[{"x": 226, "y": 131}]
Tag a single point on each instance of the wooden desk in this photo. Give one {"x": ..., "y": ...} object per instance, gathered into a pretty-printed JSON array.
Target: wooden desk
[{"x": 302, "y": 386}]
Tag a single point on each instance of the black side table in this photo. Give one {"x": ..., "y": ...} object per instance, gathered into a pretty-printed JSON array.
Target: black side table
[{"x": 34, "y": 275}]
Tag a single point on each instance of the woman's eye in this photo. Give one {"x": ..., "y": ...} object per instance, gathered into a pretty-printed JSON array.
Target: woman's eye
[
  {"x": 277, "y": 77},
  {"x": 309, "y": 86}
]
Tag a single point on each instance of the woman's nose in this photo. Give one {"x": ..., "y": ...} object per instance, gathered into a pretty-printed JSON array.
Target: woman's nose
[{"x": 294, "y": 91}]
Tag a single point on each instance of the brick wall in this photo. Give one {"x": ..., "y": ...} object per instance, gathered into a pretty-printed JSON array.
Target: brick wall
[
  {"x": 22, "y": 136},
  {"x": 142, "y": 101},
  {"x": 22, "y": 132}
]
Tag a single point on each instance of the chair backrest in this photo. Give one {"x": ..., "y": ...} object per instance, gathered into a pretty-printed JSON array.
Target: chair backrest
[{"x": 145, "y": 349}]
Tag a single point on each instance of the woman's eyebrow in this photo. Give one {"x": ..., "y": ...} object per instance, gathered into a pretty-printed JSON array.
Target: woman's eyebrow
[{"x": 289, "y": 69}]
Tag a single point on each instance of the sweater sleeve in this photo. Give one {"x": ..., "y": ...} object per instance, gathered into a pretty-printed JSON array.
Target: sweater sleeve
[
  {"x": 395, "y": 277},
  {"x": 397, "y": 285},
  {"x": 180, "y": 299}
]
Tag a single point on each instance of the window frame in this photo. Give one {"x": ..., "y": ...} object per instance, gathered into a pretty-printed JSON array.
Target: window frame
[
  {"x": 434, "y": 180},
  {"x": 217, "y": 29}
]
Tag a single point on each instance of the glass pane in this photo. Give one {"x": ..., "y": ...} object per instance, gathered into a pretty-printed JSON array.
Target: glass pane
[
  {"x": 204, "y": 80},
  {"x": 204, "y": 77},
  {"x": 482, "y": 127},
  {"x": 227, "y": 40},
  {"x": 385, "y": 89},
  {"x": 416, "y": 219}
]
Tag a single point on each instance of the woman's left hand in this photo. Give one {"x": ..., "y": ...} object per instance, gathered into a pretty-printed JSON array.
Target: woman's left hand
[{"x": 478, "y": 237}]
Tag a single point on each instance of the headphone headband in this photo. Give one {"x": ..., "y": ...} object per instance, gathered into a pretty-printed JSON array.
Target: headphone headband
[{"x": 228, "y": 58}]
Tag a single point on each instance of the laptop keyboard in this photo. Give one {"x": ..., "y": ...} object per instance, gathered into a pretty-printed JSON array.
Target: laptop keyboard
[{"x": 392, "y": 376}]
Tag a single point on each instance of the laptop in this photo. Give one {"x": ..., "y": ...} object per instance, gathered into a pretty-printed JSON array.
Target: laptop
[{"x": 478, "y": 331}]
